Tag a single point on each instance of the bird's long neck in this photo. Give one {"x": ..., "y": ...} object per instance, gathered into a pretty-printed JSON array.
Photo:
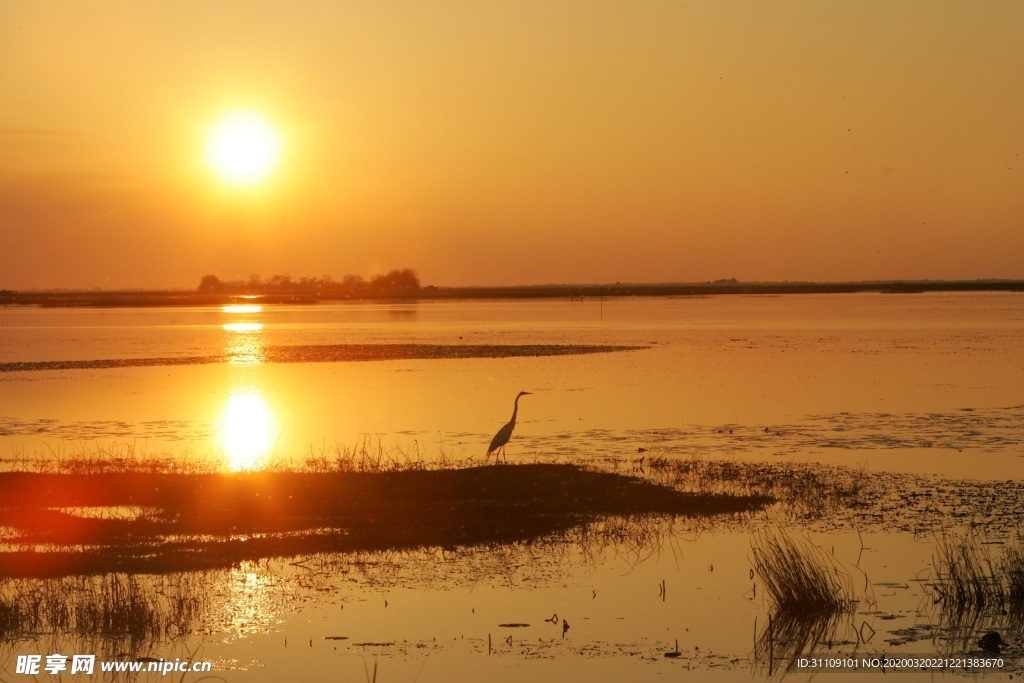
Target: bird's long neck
[{"x": 515, "y": 409}]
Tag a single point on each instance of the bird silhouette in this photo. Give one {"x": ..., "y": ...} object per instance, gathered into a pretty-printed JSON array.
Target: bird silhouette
[{"x": 505, "y": 433}]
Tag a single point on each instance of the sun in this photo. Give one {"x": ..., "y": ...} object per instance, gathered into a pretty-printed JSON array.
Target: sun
[{"x": 243, "y": 148}]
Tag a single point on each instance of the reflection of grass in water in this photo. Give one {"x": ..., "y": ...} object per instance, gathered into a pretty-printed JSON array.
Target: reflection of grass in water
[
  {"x": 801, "y": 579},
  {"x": 632, "y": 540},
  {"x": 956, "y": 633},
  {"x": 811, "y": 594},
  {"x": 787, "y": 636},
  {"x": 122, "y": 612},
  {"x": 114, "y": 614},
  {"x": 977, "y": 591}
]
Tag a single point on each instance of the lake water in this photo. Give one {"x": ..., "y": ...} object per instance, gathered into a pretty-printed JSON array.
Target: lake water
[
  {"x": 918, "y": 384},
  {"x": 896, "y": 382}
]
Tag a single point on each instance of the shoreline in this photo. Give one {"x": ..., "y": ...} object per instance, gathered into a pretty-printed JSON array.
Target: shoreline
[{"x": 137, "y": 298}]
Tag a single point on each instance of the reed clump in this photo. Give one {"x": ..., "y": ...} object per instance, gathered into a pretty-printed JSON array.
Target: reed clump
[
  {"x": 972, "y": 579},
  {"x": 1013, "y": 572},
  {"x": 124, "y": 609},
  {"x": 801, "y": 579}
]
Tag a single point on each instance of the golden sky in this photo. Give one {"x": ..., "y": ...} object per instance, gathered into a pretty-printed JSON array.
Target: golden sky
[{"x": 515, "y": 142}]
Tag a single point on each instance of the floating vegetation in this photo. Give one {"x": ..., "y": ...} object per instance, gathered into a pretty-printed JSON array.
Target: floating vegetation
[
  {"x": 801, "y": 579},
  {"x": 333, "y": 353},
  {"x": 834, "y": 496},
  {"x": 807, "y": 491},
  {"x": 997, "y": 429}
]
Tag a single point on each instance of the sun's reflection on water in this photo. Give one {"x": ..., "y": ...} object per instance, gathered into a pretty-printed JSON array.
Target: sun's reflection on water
[
  {"x": 246, "y": 348},
  {"x": 253, "y": 599},
  {"x": 243, "y": 327},
  {"x": 247, "y": 423},
  {"x": 245, "y": 428},
  {"x": 242, "y": 308}
]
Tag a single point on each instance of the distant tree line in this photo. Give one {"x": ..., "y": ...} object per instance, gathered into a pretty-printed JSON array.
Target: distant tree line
[{"x": 396, "y": 283}]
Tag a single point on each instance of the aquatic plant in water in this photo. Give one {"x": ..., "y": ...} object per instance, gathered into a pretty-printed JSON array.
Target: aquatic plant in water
[
  {"x": 801, "y": 579},
  {"x": 973, "y": 581},
  {"x": 114, "y": 611}
]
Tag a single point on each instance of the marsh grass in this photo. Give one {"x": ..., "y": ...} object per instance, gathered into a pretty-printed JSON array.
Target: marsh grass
[
  {"x": 205, "y": 521},
  {"x": 371, "y": 454},
  {"x": 968, "y": 577},
  {"x": 800, "y": 578},
  {"x": 1013, "y": 576},
  {"x": 122, "y": 611},
  {"x": 100, "y": 457},
  {"x": 973, "y": 580},
  {"x": 806, "y": 491}
]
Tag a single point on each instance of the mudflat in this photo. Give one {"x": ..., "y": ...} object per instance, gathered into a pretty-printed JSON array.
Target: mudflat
[{"x": 189, "y": 521}]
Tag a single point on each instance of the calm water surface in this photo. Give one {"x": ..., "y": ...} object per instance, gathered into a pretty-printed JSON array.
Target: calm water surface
[
  {"x": 926, "y": 384},
  {"x": 896, "y": 382}
]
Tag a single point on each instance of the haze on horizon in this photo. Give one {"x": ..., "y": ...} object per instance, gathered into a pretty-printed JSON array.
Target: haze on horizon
[{"x": 524, "y": 143}]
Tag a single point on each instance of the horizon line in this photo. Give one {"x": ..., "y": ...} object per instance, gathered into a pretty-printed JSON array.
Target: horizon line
[{"x": 722, "y": 282}]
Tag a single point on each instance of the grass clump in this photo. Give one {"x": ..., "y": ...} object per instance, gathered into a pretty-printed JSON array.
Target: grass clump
[
  {"x": 1013, "y": 572},
  {"x": 800, "y": 577},
  {"x": 123, "y": 610},
  {"x": 968, "y": 577},
  {"x": 972, "y": 580}
]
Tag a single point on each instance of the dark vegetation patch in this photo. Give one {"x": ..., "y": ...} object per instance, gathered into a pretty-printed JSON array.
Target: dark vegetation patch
[
  {"x": 404, "y": 285},
  {"x": 334, "y": 353},
  {"x": 197, "y": 521},
  {"x": 800, "y": 577},
  {"x": 973, "y": 579}
]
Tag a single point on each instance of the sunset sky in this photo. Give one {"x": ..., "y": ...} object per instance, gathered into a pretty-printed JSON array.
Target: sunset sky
[{"x": 513, "y": 143}]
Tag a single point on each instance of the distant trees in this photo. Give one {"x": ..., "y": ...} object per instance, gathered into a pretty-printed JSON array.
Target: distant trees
[
  {"x": 397, "y": 283},
  {"x": 210, "y": 283}
]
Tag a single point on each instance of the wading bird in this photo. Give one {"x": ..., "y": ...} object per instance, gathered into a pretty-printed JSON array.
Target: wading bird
[{"x": 505, "y": 433}]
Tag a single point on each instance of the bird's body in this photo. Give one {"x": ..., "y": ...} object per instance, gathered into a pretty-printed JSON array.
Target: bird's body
[
  {"x": 505, "y": 433},
  {"x": 992, "y": 642}
]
